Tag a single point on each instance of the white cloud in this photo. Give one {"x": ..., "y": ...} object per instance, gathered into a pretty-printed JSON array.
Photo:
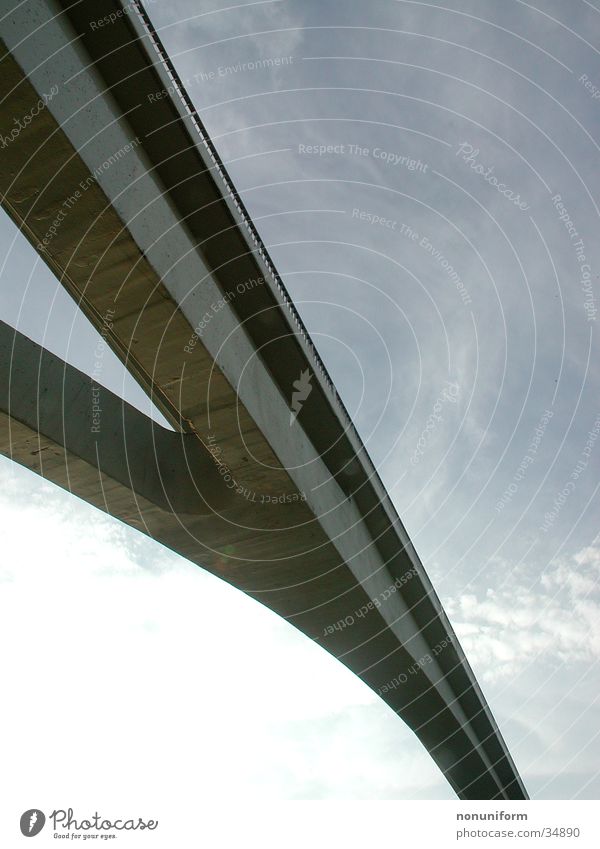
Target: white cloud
[
  {"x": 125, "y": 654},
  {"x": 523, "y": 621}
]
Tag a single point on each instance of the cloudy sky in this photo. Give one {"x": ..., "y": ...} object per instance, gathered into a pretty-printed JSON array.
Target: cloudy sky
[{"x": 423, "y": 176}]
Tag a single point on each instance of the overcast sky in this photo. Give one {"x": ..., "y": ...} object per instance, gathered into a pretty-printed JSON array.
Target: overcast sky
[{"x": 407, "y": 165}]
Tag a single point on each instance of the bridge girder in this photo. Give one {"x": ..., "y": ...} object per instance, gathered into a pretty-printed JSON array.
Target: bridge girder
[{"x": 157, "y": 238}]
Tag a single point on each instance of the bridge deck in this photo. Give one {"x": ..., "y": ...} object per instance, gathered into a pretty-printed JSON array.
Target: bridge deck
[{"x": 127, "y": 202}]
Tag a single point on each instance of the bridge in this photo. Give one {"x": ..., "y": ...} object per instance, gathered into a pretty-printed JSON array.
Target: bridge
[{"x": 261, "y": 477}]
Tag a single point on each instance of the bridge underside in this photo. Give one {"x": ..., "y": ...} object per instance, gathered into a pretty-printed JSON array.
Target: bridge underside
[{"x": 292, "y": 514}]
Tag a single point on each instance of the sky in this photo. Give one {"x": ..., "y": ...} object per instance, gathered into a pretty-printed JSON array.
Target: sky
[{"x": 423, "y": 175}]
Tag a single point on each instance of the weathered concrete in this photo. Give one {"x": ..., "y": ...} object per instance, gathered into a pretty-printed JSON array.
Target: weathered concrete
[
  {"x": 172, "y": 470},
  {"x": 160, "y": 239}
]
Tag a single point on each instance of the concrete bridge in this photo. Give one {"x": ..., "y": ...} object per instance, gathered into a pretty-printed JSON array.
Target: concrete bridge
[{"x": 263, "y": 480}]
